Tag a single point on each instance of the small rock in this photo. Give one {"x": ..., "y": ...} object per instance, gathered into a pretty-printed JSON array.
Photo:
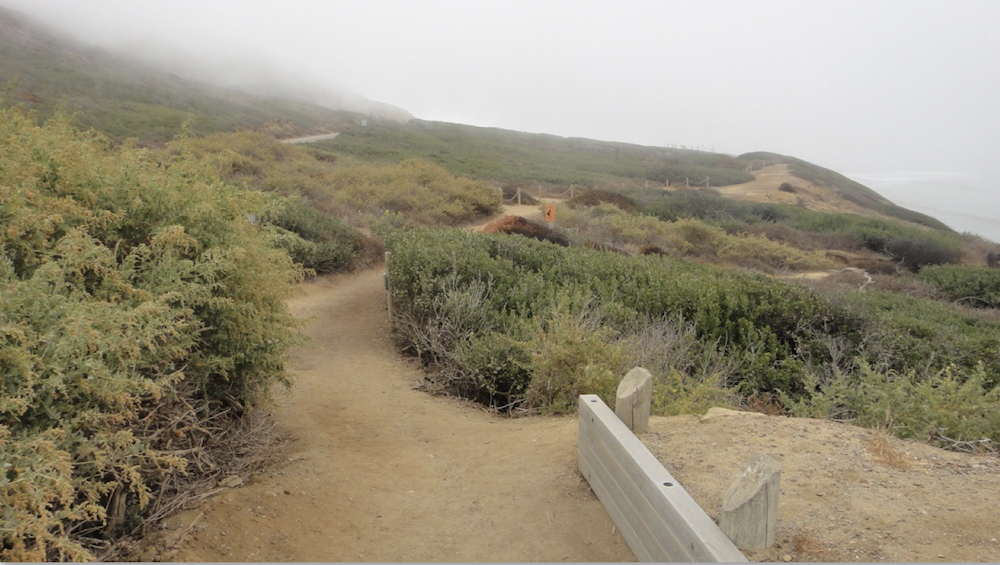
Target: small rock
[
  {"x": 288, "y": 491},
  {"x": 231, "y": 481},
  {"x": 786, "y": 558},
  {"x": 271, "y": 493}
]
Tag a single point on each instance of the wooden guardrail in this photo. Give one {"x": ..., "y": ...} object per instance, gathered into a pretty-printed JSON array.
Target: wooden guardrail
[{"x": 657, "y": 517}]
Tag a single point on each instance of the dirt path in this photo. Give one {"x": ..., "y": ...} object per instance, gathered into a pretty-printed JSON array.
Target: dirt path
[
  {"x": 378, "y": 471},
  {"x": 311, "y": 138}
]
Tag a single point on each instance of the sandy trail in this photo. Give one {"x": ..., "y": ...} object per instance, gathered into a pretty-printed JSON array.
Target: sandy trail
[{"x": 378, "y": 471}]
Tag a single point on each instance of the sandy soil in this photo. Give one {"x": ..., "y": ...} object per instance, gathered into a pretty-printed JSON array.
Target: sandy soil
[{"x": 847, "y": 493}]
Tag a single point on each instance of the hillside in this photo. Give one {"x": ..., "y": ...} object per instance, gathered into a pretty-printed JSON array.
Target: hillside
[
  {"x": 122, "y": 98},
  {"x": 535, "y": 162},
  {"x": 148, "y": 320}
]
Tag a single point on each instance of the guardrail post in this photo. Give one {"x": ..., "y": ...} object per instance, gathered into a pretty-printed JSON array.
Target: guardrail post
[
  {"x": 750, "y": 507},
  {"x": 633, "y": 399},
  {"x": 657, "y": 517}
]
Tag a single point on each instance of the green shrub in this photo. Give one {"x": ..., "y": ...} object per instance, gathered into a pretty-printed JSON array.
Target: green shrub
[
  {"x": 324, "y": 245},
  {"x": 130, "y": 292},
  {"x": 973, "y": 286},
  {"x": 572, "y": 354},
  {"x": 496, "y": 369},
  {"x": 734, "y": 333},
  {"x": 926, "y": 335},
  {"x": 947, "y": 407},
  {"x": 595, "y": 197},
  {"x": 916, "y": 253}
]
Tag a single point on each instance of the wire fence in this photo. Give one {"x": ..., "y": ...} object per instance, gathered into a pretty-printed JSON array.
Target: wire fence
[{"x": 539, "y": 192}]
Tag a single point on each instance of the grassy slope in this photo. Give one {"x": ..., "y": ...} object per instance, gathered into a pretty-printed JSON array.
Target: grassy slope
[
  {"x": 526, "y": 159},
  {"x": 123, "y": 99}
]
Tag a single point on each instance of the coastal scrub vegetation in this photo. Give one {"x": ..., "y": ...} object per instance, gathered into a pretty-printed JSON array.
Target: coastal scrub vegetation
[
  {"x": 140, "y": 311},
  {"x": 909, "y": 245},
  {"x": 496, "y": 314}
]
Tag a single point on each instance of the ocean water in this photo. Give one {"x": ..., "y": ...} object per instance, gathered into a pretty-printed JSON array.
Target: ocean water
[{"x": 965, "y": 201}]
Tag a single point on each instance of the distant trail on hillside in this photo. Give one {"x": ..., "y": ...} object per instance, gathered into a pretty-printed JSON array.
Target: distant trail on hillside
[{"x": 311, "y": 138}]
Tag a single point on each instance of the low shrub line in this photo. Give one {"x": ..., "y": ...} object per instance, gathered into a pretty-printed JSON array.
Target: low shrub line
[{"x": 528, "y": 325}]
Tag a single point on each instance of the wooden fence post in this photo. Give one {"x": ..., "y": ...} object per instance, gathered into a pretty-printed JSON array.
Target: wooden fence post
[
  {"x": 633, "y": 399},
  {"x": 518, "y": 196},
  {"x": 750, "y": 507},
  {"x": 388, "y": 287}
]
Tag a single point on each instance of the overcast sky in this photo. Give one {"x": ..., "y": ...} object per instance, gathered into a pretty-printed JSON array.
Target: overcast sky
[{"x": 851, "y": 85}]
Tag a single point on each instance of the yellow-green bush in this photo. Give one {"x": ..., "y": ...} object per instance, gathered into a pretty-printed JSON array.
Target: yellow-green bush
[
  {"x": 760, "y": 252},
  {"x": 127, "y": 288},
  {"x": 571, "y": 355},
  {"x": 424, "y": 193}
]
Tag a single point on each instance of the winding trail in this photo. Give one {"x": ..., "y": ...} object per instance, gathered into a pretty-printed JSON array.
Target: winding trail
[
  {"x": 311, "y": 138},
  {"x": 378, "y": 471}
]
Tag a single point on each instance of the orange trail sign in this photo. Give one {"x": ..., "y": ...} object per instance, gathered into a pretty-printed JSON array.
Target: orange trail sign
[{"x": 550, "y": 212}]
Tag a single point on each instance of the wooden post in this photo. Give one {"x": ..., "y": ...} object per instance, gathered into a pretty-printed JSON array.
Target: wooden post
[
  {"x": 633, "y": 399},
  {"x": 388, "y": 287},
  {"x": 518, "y": 196},
  {"x": 571, "y": 192},
  {"x": 750, "y": 507}
]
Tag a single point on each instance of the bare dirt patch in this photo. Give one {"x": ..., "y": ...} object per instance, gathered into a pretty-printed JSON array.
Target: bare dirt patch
[
  {"x": 847, "y": 493},
  {"x": 765, "y": 188}
]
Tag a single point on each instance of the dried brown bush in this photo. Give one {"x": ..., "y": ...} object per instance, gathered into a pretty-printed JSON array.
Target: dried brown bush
[
  {"x": 881, "y": 449},
  {"x": 520, "y": 226}
]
